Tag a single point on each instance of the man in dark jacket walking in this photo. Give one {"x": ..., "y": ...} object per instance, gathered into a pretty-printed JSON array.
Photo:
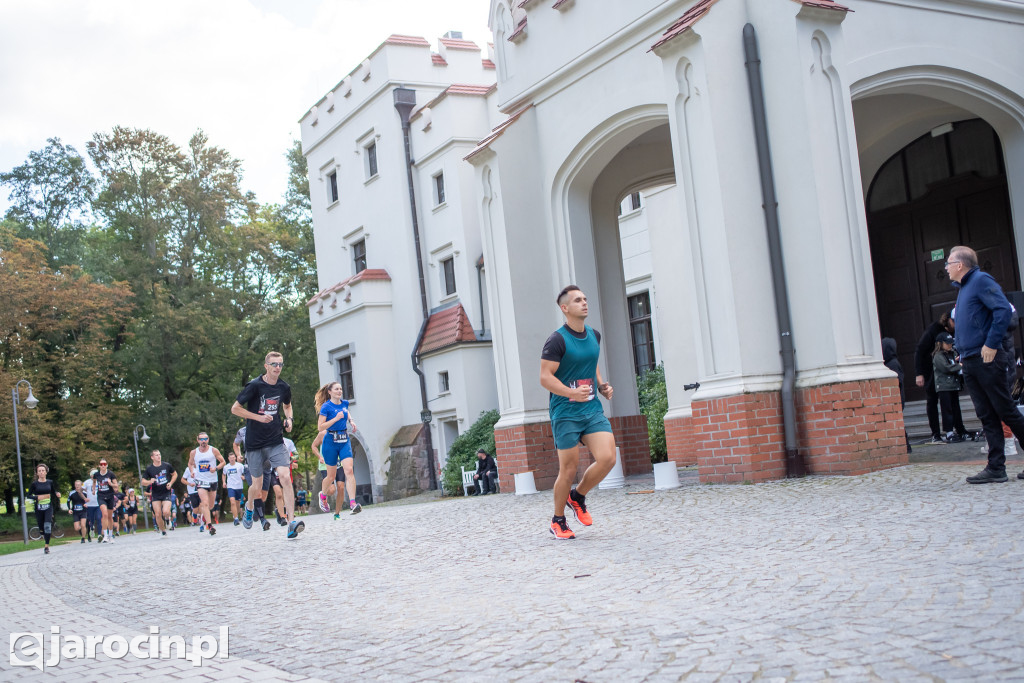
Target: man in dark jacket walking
[
  {"x": 923, "y": 367},
  {"x": 982, "y": 316}
]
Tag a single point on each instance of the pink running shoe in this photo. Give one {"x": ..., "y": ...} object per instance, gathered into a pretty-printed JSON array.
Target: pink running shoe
[{"x": 323, "y": 503}]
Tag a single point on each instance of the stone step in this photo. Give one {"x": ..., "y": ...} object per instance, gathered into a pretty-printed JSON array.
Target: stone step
[{"x": 915, "y": 418}]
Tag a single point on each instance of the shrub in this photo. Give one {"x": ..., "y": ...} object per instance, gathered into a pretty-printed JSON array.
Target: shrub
[
  {"x": 463, "y": 450},
  {"x": 654, "y": 404}
]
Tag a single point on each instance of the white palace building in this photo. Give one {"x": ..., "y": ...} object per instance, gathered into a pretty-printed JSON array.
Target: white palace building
[{"x": 754, "y": 191}]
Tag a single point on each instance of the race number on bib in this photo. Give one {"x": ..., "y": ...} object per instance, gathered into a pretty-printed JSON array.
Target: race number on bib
[
  {"x": 340, "y": 437},
  {"x": 589, "y": 383}
]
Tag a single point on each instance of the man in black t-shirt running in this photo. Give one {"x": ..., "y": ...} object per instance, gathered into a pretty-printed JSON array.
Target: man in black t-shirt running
[
  {"x": 263, "y": 403},
  {"x": 106, "y": 485},
  {"x": 76, "y": 506},
  {"x": 161, "y": 477}
]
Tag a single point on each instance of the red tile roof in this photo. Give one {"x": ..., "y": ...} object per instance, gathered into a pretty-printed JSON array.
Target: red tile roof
[
  {"x": 685, "y": 22},
  {"x": 454, "y": 44},
  {"x": 496, "y": 133},
  {"x": 437, "y": 59},
  {"x": 825, "y": 4},
  {"x": 396, "y": 39},
  {"x": 446, "y": 328},
  {"x": 368, "y": 274},
  {"x": 467, "y": 89},
  {"x": 488, "y": 64},
  {"x": 520, "y": 27},
  {"x": 455, "y": 89}
]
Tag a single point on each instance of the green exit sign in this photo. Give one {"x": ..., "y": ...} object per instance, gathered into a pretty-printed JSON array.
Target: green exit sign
[{"x": 938, "y": 254}]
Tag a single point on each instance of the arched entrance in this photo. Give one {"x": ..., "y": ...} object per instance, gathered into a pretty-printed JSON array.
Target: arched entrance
[
  {"x": 361, "y": 468},
  {"x": 946, "y": 187},
  {"x": 630, "y": 153}
]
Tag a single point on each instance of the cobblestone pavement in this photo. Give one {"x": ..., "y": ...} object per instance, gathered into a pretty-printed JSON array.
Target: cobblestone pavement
[{"x": 904, "y": 575}]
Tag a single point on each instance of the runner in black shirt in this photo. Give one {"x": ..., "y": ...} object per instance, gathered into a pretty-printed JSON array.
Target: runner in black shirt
[
  {"x": 263, "y": 402},
  {"x": 76, "y": 506},
  {"x": 131, "y": 511},
  {"x": 119, "y": 512},
  {"x": 105, "y": 485},
  {"x": 44, "y": 491},
  {"x": 160, "y": 477}
]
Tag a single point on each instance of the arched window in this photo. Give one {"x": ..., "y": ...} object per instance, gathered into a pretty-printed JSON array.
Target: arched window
[{"x": 968, "y": 147}]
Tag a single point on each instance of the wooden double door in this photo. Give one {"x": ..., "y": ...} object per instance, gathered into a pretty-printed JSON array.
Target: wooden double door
[{"x": 909, "y": 247}]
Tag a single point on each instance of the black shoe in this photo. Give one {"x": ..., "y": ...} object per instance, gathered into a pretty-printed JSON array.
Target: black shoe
[
  {"x": 987, "y": 476},
  {"x": 955, "y": 438},
  {"x": 1020, "y": 475},
  {"x": 475, "y": 493}
]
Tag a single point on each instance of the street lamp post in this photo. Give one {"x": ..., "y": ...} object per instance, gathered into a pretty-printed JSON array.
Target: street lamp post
[
  {"x": 138, "y": 464},
  {"x": 31, "y": 402}
]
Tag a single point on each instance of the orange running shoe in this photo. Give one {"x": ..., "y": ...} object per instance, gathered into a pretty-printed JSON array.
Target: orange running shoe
[
  {"x": 578, "y": 504},
  {"x": 560, "y": 529}
]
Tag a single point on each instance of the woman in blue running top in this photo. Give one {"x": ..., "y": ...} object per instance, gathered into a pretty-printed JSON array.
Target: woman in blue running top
[{"x": 336, "y": 450}]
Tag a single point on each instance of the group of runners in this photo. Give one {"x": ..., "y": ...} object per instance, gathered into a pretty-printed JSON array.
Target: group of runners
[{"x": 568, "y": 370}]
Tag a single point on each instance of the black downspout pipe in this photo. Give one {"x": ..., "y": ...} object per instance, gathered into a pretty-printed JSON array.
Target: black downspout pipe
[
  {"x": 405, "y": 100},
  {"x": 794, "y": 461},
  {"x": 480, "y": 292}
]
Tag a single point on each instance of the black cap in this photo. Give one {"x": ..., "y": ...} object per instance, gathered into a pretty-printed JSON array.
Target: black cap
[{"x": 944, "y": 337}]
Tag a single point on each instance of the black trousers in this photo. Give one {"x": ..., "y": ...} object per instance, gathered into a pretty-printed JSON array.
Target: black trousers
[
  {"x": 488, "y": 482},
  {"x": 990, "y": 392},
  {"x": 44, "y": 520},
  {"x": 952, "y": 419},
  {"x": 931, "y": 405}
]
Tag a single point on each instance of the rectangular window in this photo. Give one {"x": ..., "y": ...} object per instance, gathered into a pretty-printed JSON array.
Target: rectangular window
[
  {"x": 332, "y": 187},
  {"x": 345, "y": 377},
  {"x": 442, "y": 382},
  {"x": 642, "y": 332},
  {"x": 448, "y": 275},
  {"x": 634, "y": 201},
  {"x": 371, "y": 160},
  {"x": 439, "y": 189},
  {"x": 359, "y": 255}
]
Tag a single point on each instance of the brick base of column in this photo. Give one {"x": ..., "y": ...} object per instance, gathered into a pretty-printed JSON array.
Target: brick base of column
[
  {"x": 852, "y": 428},
  {"x": 524, "y": 448},
  {"x": 845, "y": 428},
  {"x": 531, "y": 447},
  {"x": 631, "y": 439},
  {"x": 679, "y": 441}
]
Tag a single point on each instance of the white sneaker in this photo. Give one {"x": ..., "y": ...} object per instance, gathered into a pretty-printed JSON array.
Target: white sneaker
[{"x": 1009, "y": 449}]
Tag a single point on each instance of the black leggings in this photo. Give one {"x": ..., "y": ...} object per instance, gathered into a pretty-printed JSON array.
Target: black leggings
[{"x": 44, "y": 520}]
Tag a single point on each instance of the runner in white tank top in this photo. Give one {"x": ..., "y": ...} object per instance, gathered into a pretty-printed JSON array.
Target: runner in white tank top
[{"x": 206, "y": 461}]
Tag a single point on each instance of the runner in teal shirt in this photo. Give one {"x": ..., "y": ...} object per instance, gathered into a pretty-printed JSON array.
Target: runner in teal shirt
[{"x": 568, "y": 369}]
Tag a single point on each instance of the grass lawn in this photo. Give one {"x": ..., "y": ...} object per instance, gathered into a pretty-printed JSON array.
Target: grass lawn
[{"x": 8, "y": 547}]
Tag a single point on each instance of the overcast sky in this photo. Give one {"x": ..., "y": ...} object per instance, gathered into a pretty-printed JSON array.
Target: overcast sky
[{"x": 242, "y": 70}]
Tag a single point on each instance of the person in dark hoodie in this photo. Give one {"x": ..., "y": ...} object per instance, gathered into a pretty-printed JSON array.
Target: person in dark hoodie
[
  {"x": 486, "y": 473},
  {"x": 925, "y": 375},
  {"x": 893, "y": 363}
]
